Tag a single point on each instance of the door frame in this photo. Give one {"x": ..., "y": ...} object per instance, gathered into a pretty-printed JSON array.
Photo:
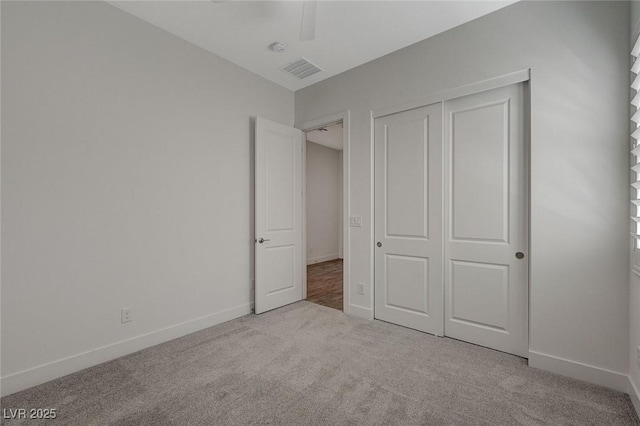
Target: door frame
[
  {"x": 342, "y": 116},
  {"x": 458, "y": 92},
  {"x": 521, "y": 76}
]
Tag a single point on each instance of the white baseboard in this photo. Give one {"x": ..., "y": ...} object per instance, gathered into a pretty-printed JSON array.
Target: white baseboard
[
  {"x": 43, "y": 373},
  {"x": 580, "y": 371},
  {"x": 325, "y": 258},
  {"x": 360, "y": 312},
  {"x": 634, "y": 394}
]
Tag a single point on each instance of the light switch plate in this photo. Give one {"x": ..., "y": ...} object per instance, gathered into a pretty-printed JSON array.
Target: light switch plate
[{"x": 355, "y": 220}]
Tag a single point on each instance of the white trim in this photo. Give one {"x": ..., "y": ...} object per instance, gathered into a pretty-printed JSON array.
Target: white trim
[
  {"x": 324, "y": 121},
  {"x": 52, "y": 370},
  {"x": 372, "y": 210},
  {"x": 443, "y": 221},
  {"x": 326, "y": 258},
  {"x": 305, "y": 260},
  {"x": 634, "y": 394},
  {"x": 346, "y": 209},
  {"x": 469, "y": 89},
  {"x": 361, "y": 312},
  {"x": 344, "y": 117},
  {"x": 528, "y": 132},
  {"x": 580, "y": 371}
]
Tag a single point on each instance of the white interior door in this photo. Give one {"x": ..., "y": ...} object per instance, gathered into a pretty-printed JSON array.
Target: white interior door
[
  {"x": 408, "y": 219},
  {"x": 486, "y": 237},
  {"x": 278, "y": 215}
]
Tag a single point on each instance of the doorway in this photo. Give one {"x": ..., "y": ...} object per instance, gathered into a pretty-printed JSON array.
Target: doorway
[
  {"x": 324, "y": 215},
  {"x": 280, "y": 211}
]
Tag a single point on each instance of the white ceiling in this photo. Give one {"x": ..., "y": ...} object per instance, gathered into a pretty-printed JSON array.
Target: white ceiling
[
  {"x": 331, "y": 137},
  {"x": 348, "y": 33}
]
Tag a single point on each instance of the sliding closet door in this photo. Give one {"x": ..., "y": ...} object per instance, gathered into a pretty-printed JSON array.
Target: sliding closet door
[
  {"x": 408, "y": 219},
  {"x": 486, "y": 195}
]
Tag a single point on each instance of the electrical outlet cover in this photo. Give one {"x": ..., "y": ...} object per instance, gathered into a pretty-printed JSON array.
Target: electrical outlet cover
[{"x": 125, "y": 315}]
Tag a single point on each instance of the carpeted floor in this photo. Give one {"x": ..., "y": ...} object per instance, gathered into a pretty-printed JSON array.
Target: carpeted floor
[{"x": 306, "y": 364}]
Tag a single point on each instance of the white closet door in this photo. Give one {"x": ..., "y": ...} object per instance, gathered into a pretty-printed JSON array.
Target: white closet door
[
  {"x": 486, "y": 241},
  {"x": 408, "y": 219}
]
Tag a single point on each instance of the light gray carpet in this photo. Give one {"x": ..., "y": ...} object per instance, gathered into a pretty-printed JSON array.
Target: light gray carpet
[{"x": 305, "y": 364}]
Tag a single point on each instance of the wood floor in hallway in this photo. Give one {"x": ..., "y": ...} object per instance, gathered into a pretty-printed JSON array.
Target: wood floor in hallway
[{"x": 324, "y": 283}]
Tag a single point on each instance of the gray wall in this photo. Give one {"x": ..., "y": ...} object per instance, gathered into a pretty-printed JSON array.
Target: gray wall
[
  {"x": 127, "y": 181},
  {"x": 578, "y": 53},
  {"x": 324, "y": 211}
]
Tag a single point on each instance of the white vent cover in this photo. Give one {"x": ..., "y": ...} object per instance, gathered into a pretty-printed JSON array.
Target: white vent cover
[{"x": 301, "y": 68}]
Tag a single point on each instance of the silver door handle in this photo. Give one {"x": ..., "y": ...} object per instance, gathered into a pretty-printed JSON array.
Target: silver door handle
[{"x": 262, "y": 240}]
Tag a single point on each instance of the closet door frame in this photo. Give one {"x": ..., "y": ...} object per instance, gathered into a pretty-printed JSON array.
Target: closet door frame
[{"x": 458, "y": 92}]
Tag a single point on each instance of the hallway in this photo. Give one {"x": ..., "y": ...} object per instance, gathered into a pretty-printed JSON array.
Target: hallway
[{"x": 324, "y": 283}]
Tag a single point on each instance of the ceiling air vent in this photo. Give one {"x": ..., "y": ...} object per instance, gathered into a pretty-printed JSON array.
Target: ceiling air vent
[{"x": 301, "y": 68}]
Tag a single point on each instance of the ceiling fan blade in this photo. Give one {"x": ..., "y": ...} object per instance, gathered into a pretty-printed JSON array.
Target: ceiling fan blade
[{"x": 308, "y": 24}]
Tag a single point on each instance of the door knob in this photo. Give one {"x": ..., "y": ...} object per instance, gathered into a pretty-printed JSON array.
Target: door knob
[
  {"x": 262, "y": 240},
  {"x": 379, "y": 244},
  {"x": 519, "y": 255}
]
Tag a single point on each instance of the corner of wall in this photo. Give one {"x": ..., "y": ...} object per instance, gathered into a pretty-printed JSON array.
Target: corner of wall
[
  {"x": 360, "y": 312},
  {"x": 634, "y": 394}
]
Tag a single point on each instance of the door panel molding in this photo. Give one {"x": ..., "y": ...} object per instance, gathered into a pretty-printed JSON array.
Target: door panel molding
[
  {"x": 499, "y": 311},
  {"x": 462, "y": 143},
  {"x": 419, "y": 305}
]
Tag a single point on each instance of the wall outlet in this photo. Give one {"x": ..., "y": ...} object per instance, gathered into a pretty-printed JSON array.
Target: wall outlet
[
  {"x": 126, "y": 315},
  {"x": 360, "y": 288}
]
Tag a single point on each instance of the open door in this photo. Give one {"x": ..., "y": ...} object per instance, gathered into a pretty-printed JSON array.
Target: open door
[{"x": 278, "y": 215}]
